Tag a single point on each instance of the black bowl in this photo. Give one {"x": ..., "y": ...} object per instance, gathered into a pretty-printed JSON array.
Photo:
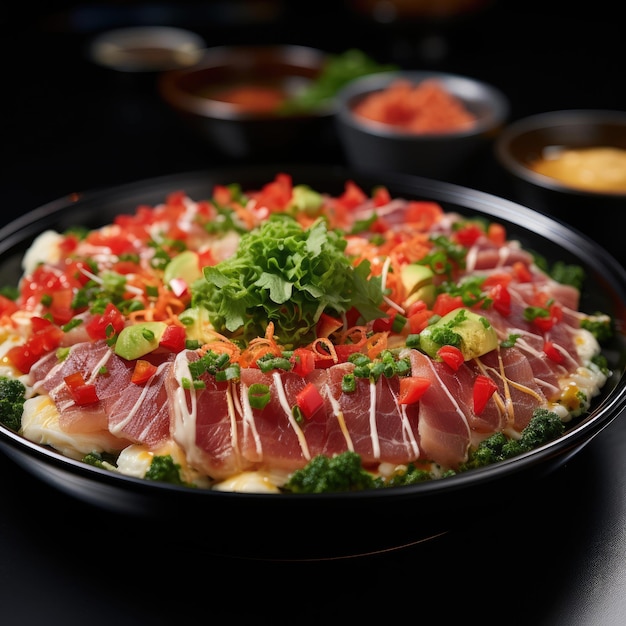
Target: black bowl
[
  {"x": 241, "y": 132},
  {"x": 526, "y": 140},
  {"x": 324, "y": 526},
  {"x": 373, "y": 145}
]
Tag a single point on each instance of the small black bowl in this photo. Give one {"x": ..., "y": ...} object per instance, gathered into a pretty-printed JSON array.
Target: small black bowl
[
  {"x": 247, "y": 132},
  {"x": 525, "y": 141},
  {"x": 376, "y": 146}
]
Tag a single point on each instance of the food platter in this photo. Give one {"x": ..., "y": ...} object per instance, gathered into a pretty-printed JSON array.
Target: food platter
[{"x": 334, "y": 525}]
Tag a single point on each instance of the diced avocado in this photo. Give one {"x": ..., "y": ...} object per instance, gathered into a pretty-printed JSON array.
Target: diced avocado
[
  {"x": 138, "y": 340},
  {"x": 184, "y": 266},
  {"x": 196, "y": 322},
  {"x": 418, "y": 282},
  {"x": 306, "y": 199},
  {"x": 468, "y": 331}
]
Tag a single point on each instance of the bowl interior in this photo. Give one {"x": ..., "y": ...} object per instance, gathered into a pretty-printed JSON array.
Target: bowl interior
[
  {"x": 204, "y": 88},
  {"x": 525, "y": 141},
  {"x": 489, "y": 106},
  {"x": 448, "y": 502}
]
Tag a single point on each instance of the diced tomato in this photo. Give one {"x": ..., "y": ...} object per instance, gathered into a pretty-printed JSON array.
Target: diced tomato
[
  {"x": 55, "y": 286},
  {"x": 82, "y": 392},
  {"x": 522, "y": 273},
  {"x": 419, "y": 320},
  {"x": 484, "y": 388},
  {"x": 555, "y": 315},
  {"x": 344, "y": 350},
  {"x": 309, "y": 400},
  {"x": 68, "y": 245},
  {"x": 496, "y": 233},
  {"x": 173, "y": 338},
  {"x": 501, "y": 299},
  {"x": 552, "y": 352},
  {"x": 44, "y": 338},
  {"x": 303, "y": 361},
  {"x": 451, "y": 356},
  {"x": 423, "y": 214},
  {"x": 118, "y": 242},
  {"x": 7, "y": 306},
  {"x": 468, "y": 235},
  {"x": 327, "y": 325},
  {"x": 445, "y": 303},
  {"x": 497, "y": 279},
  {"x": 142, "y": 372},
  {"x": 61, "y": 306},
  {"x": 412, "y": 388},
  {"x": 222, "y": 195},
  {"x": 275, "y": 195},
  {"x": 107, "y": 324},
  {"x": 352, "y": 196},
  {"x": 380, "y": 226},
  {"x": 126, "y": 267},
  {"x": 384, "y": 324},
  {"x": 381, "y": 196}
]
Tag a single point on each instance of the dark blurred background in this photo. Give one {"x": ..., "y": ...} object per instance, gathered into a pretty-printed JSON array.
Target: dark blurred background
[{"x": 73, "y": 125}]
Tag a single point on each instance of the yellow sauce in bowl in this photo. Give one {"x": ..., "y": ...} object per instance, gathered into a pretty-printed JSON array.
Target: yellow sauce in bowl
[{"x": 600, "y": 169}]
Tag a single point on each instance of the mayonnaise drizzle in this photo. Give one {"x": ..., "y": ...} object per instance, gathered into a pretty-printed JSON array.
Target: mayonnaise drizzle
[
  {"x": 338, "y": 413},
  {"x": 282, "y": 397},
  {"x": 116, "y": 428},
  {"x": 248, "y": 420},
  {"x": 373, "y": 428}
]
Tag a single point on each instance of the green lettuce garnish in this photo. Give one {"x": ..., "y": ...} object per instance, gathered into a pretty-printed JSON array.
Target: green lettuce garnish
[{"x": 286, "y": 274}]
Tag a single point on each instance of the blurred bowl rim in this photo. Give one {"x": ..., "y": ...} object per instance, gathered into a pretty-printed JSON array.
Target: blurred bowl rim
[
  {"x": 457, "y": 84},
  {"x": 216, "y": 56},
  {"x": 552, "y": 119},
  {"x": 112, "y": 48}
]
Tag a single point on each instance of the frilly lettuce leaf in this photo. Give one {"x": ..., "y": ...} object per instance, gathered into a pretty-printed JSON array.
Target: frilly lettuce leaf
[{"x": 288, "y": 275}]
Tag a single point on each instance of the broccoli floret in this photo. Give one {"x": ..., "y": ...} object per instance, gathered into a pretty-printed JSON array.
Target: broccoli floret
[
  {"x": 164, "y": 469},
  {"x": 544, "y": 426},
  {"x": 599, "y": 325},
  {"x": 342, "y": 472},
  {"x": 411, "y": 476},
  {"x": 11, "y": 402},
  {"x": 100, "y": 459}
]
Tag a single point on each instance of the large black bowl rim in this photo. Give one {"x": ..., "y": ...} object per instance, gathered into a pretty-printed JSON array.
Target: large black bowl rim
[
  {"x": 553, "y": 120},
  {"x": 154, "y": 190},
  {"x": 497, "y": 103}
]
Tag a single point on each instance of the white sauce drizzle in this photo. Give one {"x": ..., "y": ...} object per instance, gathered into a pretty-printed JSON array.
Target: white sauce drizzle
[
  {"x": 407, "y": 431},
  {"x": 383, "y": 275},
  {"x": 304, "y": 446},
  {"x": 373, "y": 428},
  {"x": 184, "y": 429},
  {"x": 451, "y": 397},
  {"x": 248, "y": 420},
  {"x": 338, "y": 413},
  {"x": 116, "y": 428}
]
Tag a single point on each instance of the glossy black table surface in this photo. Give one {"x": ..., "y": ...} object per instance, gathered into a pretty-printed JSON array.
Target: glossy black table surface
[{"x": 558, "y": 559}]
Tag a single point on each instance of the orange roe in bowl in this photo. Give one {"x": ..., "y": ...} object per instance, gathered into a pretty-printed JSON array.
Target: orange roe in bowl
[{"x": 423, "y": 108}]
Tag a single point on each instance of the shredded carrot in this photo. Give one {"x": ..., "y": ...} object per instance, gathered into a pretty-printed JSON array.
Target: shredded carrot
[
  {"x": 222, "y": 345},
  {"x": 376, "y": 344},
  {"x": 324, "y": 349},
  {"x": 259, "y": 347},
  {"x": 247, "y": 217}
]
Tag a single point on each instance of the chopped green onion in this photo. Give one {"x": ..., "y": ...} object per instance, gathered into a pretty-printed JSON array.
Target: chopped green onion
[
  {"x": 348, "y": 383},
  {"x": 259, "y": 395}
]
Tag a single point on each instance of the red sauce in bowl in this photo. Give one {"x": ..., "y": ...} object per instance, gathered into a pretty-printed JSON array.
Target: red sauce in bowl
[{"x": 252, "y": 98}]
